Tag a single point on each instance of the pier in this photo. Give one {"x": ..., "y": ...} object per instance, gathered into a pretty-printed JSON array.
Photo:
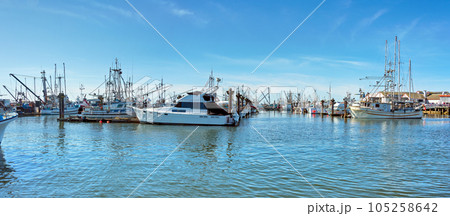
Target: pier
[{"x": 436, "y": 109}]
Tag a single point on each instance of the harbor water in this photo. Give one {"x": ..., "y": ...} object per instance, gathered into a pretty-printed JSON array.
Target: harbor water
[{"x": 334, "y": 157}]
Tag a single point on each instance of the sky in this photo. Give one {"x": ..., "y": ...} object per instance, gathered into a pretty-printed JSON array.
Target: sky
[{"x": 341, "y": 42}]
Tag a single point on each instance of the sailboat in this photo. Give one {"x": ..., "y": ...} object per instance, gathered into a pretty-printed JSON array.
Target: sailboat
[
  {"x": 388, "y": 103},
  {"x": 196, "y": 108}
]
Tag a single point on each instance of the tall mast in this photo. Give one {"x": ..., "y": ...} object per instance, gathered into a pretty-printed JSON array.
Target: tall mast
[
  {"x": 386, "y": 72},
  {"x": 399, "y": 85},
  {"x": 44, "y": 86},
  {"x": 385, "y": 58},
  {"x": 409, "y": 79},
  {"x": 394, "y": 70},
  {"x": 55, "y": 89}
]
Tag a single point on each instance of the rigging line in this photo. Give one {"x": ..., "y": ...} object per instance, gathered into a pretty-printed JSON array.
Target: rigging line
[
  {"x": 167, "y": 41},
  {"x": 149, "y": 175},
  {"x": 287, "y": 162},
  {"x": 282, "y": 42}
]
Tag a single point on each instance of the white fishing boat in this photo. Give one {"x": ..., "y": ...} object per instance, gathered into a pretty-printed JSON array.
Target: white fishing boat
[
  {"x": 5, "y": 119},
  {"x": 108, "y": 111},
  {"x": 388, "y": 103},
  {"x": 55, "y": 111},
  {"x": 115, "y": 103},
  {"x": 378, "y": 110}
]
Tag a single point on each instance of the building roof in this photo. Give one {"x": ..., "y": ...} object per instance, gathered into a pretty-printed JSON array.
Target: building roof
[
  {"x": 434, "y": 97},
  {"x": 413, "y": 95}
]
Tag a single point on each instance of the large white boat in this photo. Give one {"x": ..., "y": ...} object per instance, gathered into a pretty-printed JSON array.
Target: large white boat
[
  {"x": 388, "y": 103},
  {"x": 5, "y": 119},
  {"x": 197, "y": 108}
]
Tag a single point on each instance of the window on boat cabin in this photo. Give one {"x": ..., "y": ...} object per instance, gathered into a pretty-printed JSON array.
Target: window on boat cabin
[
  {"x": 178, "y": 110},
  {"x": 207, "y": 97},
  {"x": 377, "y": 105},
  {"x": 189, "y": 105}
]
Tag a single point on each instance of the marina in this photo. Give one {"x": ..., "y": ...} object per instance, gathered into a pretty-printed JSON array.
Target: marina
[
  {"x": 225, "y": 99},
  {"x": 230, "y": 141}
]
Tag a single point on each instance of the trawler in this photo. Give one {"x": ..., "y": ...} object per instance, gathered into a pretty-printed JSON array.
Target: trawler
[
  {"x": 115, "y": 103},
  {"x": 196, "y": 108},
  {"x": 388, "y": 103}
]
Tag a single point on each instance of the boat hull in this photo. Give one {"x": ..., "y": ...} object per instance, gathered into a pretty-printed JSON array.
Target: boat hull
[
  {"x": 67, "y": 111},
  {"x": 367, "y": 113},
  {"x": 4, "y": 122},
  {"x": 164, "y": 116}
]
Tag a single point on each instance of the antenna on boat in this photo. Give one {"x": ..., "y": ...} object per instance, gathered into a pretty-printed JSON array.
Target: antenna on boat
[{"x": 65, "y": 87}]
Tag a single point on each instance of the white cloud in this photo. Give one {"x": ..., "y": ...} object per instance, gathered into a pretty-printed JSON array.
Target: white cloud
[
  {"x": 408, "y": 28},
  {"x": 181, "y": 12},
  {"x": 368, "y": 21},
  {"x": 116, "y": 10}
]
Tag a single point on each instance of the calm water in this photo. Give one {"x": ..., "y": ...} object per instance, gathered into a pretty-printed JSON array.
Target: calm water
[{"x": 41, "y": 157}]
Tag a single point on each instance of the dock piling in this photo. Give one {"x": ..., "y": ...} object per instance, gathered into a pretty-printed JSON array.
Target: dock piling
[
  {"x": 61, "y": 105},
  {"x": 345, "y": 109}
]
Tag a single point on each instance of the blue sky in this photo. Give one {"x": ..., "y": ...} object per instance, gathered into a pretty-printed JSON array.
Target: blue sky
[{"x": 341, "y": 42}]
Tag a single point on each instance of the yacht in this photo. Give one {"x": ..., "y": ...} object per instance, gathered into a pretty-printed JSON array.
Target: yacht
[{"x": 197, "y": 108}]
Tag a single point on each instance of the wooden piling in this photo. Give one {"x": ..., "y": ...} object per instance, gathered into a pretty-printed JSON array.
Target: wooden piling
[
  {"x": 61, "y": 105},
  {"x": 332, "y": 106},
  {"x": 322, "y": 102},
  {"x": 345, "y": 109}
]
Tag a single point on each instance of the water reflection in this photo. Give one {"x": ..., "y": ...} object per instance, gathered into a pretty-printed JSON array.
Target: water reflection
[
  {"x": 343, "y": 157},
  {"x": 61, "y": 139},
  {"x": 6, "y": 176}
]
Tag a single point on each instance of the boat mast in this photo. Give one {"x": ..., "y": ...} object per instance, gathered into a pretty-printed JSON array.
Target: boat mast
[
  {"x": 385, "y": 57},
  {"x": 56, "y": 88},
  {"x": 395, "y": 65},
  {"x": 399, "y": 85},
  {"x": 386, "y": 72},
  {"x": 409, "y": 79},
  {"x": 44, "y": 86}
]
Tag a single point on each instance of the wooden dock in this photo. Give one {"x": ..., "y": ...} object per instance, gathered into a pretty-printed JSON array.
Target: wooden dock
[
  {"x": 79, "y": 118},
  {"x": 437, "y": 109}
]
